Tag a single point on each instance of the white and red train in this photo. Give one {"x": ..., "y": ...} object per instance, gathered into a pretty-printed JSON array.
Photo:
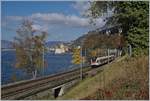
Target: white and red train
[{"x": 95, "y": 62}]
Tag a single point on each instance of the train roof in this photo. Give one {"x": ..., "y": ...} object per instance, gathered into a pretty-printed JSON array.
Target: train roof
[{"x": 105, "y": 57}]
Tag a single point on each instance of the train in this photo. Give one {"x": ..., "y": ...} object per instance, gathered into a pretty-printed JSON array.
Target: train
[{"x": 98, "y": 61}]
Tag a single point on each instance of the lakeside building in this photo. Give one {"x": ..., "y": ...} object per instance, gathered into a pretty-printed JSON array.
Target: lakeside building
[{"x": 61, "y": 49}]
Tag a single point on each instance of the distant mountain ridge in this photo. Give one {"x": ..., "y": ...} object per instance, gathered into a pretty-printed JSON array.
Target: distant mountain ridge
[
  {"x": 5, "y": 44},
  {"x": 53, "y": 43},
  {"x": 79, "y": 40}
]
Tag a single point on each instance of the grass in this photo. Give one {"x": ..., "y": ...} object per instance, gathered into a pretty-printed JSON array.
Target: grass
[{"x": 126, "y": 78}]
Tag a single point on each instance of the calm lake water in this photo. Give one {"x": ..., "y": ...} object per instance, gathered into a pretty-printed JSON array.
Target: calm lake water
[{"x": 55, "y": 63}]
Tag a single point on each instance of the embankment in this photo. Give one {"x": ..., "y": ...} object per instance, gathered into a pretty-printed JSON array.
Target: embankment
[{"x": 126, "y": 78}]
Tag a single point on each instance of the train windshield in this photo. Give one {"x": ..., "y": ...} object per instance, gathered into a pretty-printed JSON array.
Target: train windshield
[{"x": 94, "y": 59}]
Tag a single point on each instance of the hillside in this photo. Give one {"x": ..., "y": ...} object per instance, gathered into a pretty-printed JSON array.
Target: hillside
[
  {"x": 123, "y": 79},
  {"x": 55, "y": 43},
  {"x": 52, "y": 43},
  {"x": 9, "y": 44},
  {"x": 79, "y": 40}
]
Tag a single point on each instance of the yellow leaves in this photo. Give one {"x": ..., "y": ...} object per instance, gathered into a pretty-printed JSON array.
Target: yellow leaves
[
  {"x": 93, "y": 53},
  {"x": 29, "y": 47},
  {"x": 38, "y": 61},
  {"x": 21, "y": 57},
  {"x": 77, "y": 59},
  {"x": 14, "y": 77},
  {"x": 17, "y": 65}
]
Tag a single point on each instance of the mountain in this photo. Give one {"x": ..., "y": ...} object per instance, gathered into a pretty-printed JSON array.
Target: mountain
[
  {"x": 6, "y": 44},
  {"x": 54, "y": 43},
  {"x": 79, "y": 41}
]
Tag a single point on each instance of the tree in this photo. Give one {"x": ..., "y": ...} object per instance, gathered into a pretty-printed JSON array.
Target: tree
[
  {"x": 77, "y": 59},
  {"x": 29, "y": 45},
  {"x": 134, "y": 18},
  {"x": 97, "y": 43}
]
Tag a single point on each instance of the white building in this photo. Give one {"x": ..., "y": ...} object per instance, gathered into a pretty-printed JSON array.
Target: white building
[{"x": 61, "y": 49}]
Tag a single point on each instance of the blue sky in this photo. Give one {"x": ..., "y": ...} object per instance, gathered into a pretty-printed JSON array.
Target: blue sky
[{"x": 63, "y": 20}]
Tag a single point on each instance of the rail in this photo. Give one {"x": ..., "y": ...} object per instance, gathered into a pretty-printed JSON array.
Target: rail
[{"x": 23, "y": 89}]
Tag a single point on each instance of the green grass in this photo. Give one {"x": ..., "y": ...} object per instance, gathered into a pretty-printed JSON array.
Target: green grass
[{"x": 126, "y": 78}]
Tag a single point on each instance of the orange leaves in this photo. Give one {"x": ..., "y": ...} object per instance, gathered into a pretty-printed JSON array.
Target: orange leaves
[
  {"x": 94, "y": 53},
  {"x": 99, "y": 40}
]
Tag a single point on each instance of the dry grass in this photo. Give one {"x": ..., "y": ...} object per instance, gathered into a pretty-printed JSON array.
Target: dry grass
[{"x": 124, "y": 79}]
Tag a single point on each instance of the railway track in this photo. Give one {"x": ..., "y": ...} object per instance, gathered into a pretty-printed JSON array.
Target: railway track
[{"x": 23, "y": 89}]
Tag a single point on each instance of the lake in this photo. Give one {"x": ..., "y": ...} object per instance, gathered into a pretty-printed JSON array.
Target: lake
[{"x": 55, "y": 63}]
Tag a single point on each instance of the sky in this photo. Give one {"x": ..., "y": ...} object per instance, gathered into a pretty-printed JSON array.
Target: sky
[{"x": 62, "y": 20}]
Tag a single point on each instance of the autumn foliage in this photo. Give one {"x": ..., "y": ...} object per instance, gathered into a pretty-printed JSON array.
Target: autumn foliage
[{"x": 29, "y": 47}]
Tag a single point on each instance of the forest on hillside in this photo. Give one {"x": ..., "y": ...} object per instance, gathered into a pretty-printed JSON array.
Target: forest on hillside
[{"x": 133, "y": 18}]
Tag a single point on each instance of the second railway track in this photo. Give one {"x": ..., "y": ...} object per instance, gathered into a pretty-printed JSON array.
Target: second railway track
[{"x": 22, "y": 89}]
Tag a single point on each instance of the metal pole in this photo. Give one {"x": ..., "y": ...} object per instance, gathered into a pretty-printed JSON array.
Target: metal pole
[
  {"x": 108, "y": 54},
  {"x": 81, "y": 65},
  {"x": 130, "y": 50},
  {"x": 43, "y": 61},
  {"x": 85, "y": 57}
]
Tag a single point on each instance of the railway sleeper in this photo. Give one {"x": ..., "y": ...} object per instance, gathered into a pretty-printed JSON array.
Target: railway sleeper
[
  {"x": 29, "y": 92},
  {"x": 27, "y": 86}
]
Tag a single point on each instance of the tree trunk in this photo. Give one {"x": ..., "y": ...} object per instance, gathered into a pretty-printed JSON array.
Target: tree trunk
[{"x": 34, "y": 74}]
